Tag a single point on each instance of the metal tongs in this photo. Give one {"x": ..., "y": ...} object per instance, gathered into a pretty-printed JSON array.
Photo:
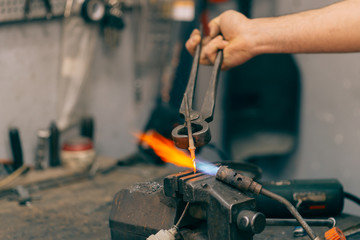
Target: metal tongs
[{"x": 196, "y": 128}]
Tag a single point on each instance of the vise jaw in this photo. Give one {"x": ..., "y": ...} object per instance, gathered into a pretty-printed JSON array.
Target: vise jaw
[{"x": 229, "y": 214}]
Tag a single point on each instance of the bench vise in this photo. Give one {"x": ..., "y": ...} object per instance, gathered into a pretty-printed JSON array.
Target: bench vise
[{"x": 216, "y": 210}]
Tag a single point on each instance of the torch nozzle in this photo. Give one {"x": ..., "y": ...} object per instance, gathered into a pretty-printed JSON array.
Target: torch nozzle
[{"x": 237, "y": 180}]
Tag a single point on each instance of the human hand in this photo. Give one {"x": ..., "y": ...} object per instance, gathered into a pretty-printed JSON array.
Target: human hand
[{"x": 234, "y": 40}]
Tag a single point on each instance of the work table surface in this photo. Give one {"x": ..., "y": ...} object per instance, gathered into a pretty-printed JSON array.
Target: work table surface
[{"x": 80, "y": 210}]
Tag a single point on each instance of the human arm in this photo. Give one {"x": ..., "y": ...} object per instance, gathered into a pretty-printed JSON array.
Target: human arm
[{"x": 335, "y": 28}]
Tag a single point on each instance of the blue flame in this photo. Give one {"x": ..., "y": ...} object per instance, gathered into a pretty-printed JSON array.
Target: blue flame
[{"x": 205, "y": 167}]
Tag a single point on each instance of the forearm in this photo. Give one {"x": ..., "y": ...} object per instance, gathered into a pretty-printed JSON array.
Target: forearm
[{"x": 335, "y": 28}]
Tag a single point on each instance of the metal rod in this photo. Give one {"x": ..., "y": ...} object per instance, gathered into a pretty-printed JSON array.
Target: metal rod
[
  {"x": 329, "y": 222},
  {"x": 292, "y": 210},
  {"x": 191, "y": 139}
]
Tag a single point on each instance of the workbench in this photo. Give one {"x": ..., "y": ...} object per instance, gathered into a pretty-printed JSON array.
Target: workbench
[{"x": 80, "y": 210}]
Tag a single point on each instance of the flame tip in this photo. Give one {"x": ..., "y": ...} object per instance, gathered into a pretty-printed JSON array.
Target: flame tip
[{"x": 166, "y": 150}]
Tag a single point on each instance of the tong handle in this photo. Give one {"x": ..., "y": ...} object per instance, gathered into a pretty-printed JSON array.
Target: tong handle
[
  {"x": 207, "y": 108},
  {"x": 190, "y": 88}
]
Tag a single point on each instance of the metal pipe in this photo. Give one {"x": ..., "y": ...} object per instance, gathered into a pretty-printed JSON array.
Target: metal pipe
[
  {"x": 247, "y": 184},
  {"x": 292, "y": 210},
  {"x": 330, "y": 222}
]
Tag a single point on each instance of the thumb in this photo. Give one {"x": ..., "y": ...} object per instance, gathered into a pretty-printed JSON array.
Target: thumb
[{"x": 214, "y": 27}]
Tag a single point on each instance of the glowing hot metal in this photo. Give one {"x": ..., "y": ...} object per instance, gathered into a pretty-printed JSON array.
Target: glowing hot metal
[{"x": 188, "y": 125}]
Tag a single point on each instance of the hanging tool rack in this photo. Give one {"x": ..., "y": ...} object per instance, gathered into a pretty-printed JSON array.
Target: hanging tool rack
[{"x": 14, "y": 11}]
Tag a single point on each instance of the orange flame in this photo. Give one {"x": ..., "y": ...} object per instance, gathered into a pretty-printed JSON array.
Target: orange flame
[{"x": 166, "y": 149}]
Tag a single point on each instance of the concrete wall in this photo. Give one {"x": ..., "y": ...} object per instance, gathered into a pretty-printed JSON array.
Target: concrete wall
[
  {"x": 30, "y": 89},
  {"x": 29, "y": 59},
  {"x": 330, "y": 114}
]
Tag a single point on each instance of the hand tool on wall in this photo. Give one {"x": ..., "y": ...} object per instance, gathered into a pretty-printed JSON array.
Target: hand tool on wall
[
  {"x": 47, "y": 5},
  {"x": 16, "y": 149},
  {"x": 198, "y": 120},
  {"x": 78, "y": 43},
  {"x": 113, "y": 22},
  {"x": 93, "y": 10},
  {"x": 77, "y": 51},
  {"x": 110, "y": 14},
  {"x": 54, "y": 147}
]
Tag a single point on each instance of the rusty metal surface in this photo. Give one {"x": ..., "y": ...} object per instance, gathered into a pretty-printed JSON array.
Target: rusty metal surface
[
  {"x": 141, "y": 210},
  {"x": 237, "y": 180}
]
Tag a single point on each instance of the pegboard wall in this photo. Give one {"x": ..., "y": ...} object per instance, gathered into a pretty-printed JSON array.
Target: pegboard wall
[{"x": 14, "y": 10}]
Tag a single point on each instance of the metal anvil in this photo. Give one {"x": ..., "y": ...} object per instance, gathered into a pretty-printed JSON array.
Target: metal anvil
[{"x": 216, "y": 211}]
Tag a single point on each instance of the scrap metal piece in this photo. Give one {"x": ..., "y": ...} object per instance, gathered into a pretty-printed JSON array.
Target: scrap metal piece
[
  {"x": 24, "y": 196},
  {"x": 299, "y": 232}
]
